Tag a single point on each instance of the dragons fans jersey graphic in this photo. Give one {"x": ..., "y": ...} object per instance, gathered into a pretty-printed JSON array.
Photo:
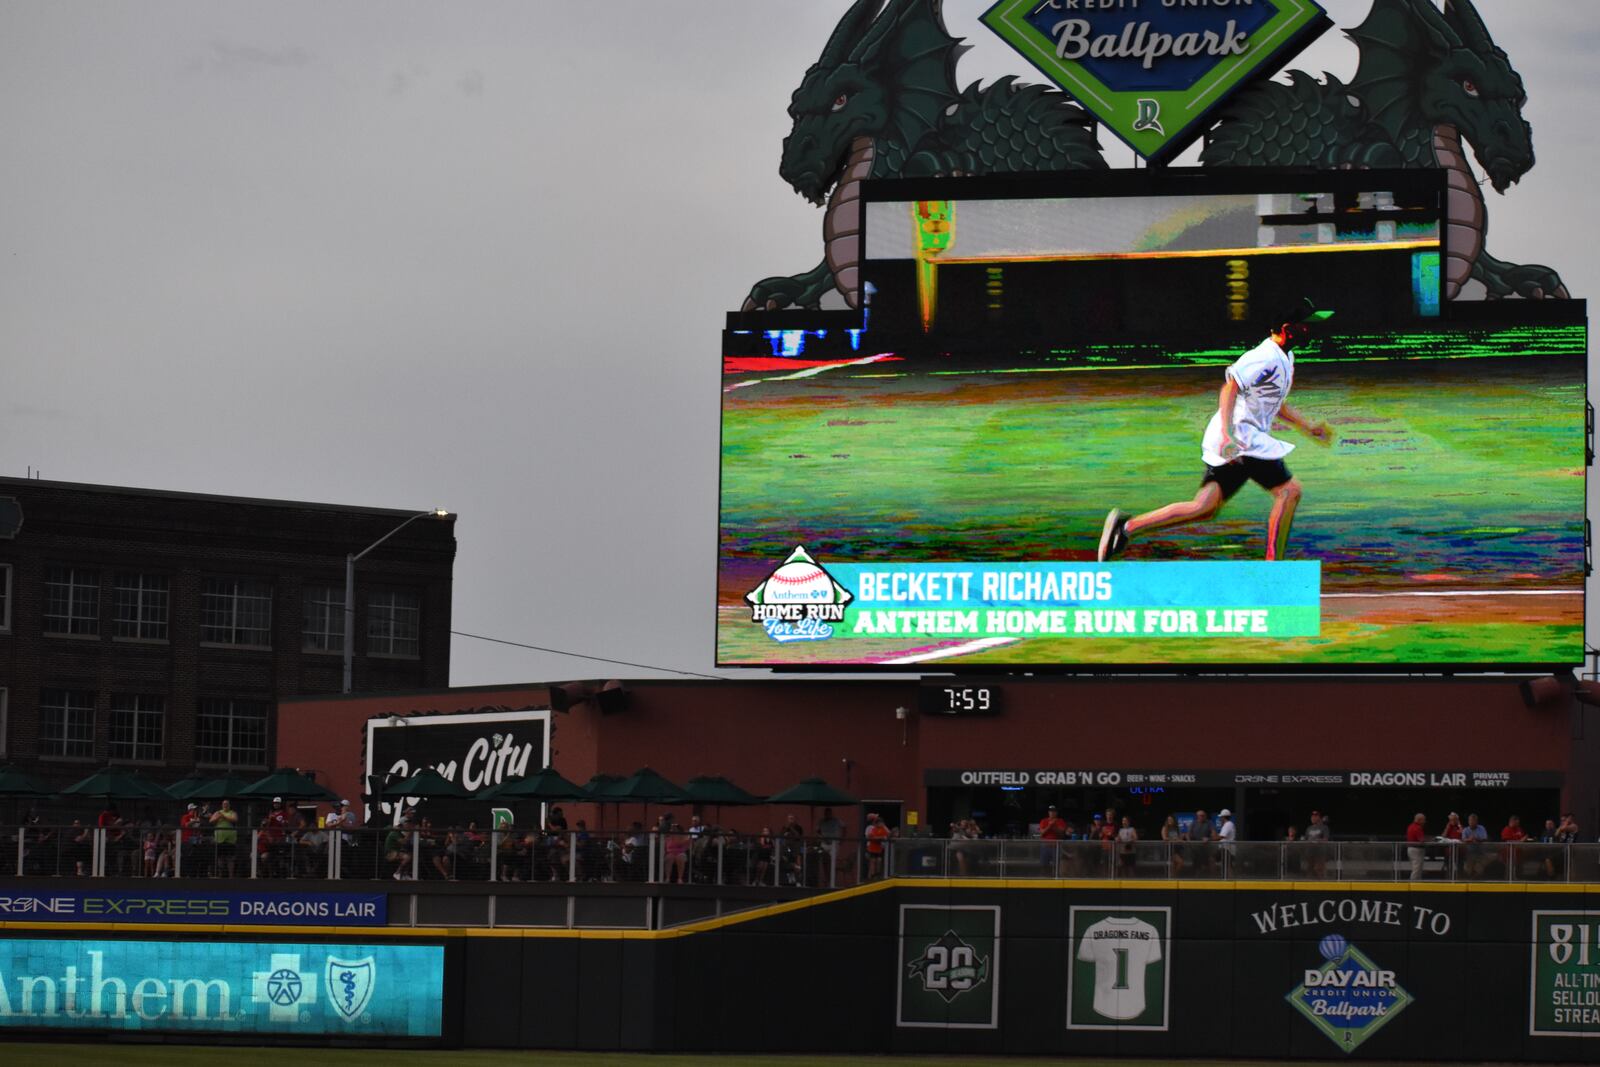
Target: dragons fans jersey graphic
[{"x": 1118, "y": 977}]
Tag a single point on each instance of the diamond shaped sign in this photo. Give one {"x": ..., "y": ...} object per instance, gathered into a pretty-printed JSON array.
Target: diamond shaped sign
[{"x": 1153, "y": 71}]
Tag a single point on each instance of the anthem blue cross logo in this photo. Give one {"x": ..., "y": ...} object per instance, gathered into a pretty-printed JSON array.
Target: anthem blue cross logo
[
  {"x": 284, "y": 987},
  {"x": 1152, "y": 70},
  {"x": 1349, "y": 998},
  {"x": 349, "y": 985}
]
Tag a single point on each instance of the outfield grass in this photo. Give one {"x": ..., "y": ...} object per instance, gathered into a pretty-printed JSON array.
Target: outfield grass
[{"x": 108, "y": 1055}]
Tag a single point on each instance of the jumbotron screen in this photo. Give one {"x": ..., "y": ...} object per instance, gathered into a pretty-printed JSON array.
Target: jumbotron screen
[{"x": 1113, "y": 431}]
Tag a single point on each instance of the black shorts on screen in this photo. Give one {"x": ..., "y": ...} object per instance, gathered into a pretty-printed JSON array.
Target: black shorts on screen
[{"x": 1230, "y": 477}]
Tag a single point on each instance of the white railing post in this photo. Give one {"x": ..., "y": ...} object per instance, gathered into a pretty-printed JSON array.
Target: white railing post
[
  {"x": 177, "y": 853},
  {"x": 255, "y": 851},
  {"x": 650, "y": 865},
  {"x": 416, "y": 854},
  {"x": 22, "y": 833},
  {"x": 777, "y": 861},
  {"x": 572, "y": 857},
  {"x": 494, "y": 855},
  {"x": 97, "y": 864},
  {"x": 720, "y": 843}
]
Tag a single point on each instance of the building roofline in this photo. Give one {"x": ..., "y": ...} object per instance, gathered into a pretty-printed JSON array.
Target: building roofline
[{"x": 8, "y": 482}]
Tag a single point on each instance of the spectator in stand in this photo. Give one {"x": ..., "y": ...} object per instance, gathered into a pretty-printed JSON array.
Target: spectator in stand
[
  {"x": 224, "y": 830},
  {"x": 877, "y": 835},
  {"x": 151, "y": 846},
  {"x": 339, "y": 824},
  {"x": 676, "y": 850},
  {"x": 962, "y": 833},
  {"x": 1199, "y": 836},
  {"x": 1104, "y": 831},
  {"x": 764, "y": 855},
  {"x": 831, "y": 831},
  {"x": 1473, "y": 835},
  {"x": 397, "y": 849},
  {"x": 1567, "y": 832},
  {"x": 1317, "y": 847},
  {"x": 1127, "y": 848},
  {"x": 1416, "y": 834},
  {"x": 274, "y": 847},
  {"x": 1054, "y": 828},
  {"x": 1452, "y": 827},
  {"x": 80, "y": 848},
  {"x": 1512, "y": 835},
  {"x": 1291, "y": 855}
]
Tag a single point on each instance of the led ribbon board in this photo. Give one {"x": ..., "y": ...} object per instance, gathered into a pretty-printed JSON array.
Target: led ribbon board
[{"x": 1153, "y": 70}]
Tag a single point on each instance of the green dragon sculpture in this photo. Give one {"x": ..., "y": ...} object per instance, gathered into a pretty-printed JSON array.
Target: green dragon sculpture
[
  {"x": 1425, "y": 81},
  {"x": 882, "y": 102}
]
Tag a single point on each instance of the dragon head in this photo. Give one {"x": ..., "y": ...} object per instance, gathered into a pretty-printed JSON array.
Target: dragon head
[
  {"x": 885, "y": 76},
  {"x": 1420, "y": 64}
]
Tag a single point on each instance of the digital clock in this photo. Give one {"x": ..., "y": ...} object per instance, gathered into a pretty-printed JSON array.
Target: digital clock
[{"x": 953, "y": 698}]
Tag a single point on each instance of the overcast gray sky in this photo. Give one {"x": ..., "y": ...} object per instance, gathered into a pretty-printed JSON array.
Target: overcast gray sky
[{"x": 477, "y": 255}]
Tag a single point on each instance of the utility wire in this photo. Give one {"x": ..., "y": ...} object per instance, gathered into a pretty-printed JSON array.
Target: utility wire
[{"x": 581, "y": 655}]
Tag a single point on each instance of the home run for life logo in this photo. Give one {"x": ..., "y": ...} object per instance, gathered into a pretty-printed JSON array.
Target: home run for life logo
[
  {"x": 1349, "y": 998},
  {"x": 798, "y": 601}
]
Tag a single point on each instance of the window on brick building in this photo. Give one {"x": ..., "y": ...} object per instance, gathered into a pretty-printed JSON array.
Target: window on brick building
[
  {"x": 140, "y": 607},
  {"x": 394, "y": 623},
  {"x": 71, "y": 600},
  {"x": 5, "y": 598},
  {"x": 323, "y": 630},
  {"x": 138, "y": 727},
  {"x": 66, "y": 723},
  {"x": 236, "y": 611},
  {"x": 231, "y": 733}
]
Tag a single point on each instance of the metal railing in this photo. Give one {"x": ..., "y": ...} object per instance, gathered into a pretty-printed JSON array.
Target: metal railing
[
  {"x": 1249, "y": 860},
  {"x": 709, "y": 857},
  {"x": 719, "y": 858}
]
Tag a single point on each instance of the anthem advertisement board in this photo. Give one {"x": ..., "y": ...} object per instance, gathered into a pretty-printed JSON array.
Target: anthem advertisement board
[{"x": 229, "y": 987}]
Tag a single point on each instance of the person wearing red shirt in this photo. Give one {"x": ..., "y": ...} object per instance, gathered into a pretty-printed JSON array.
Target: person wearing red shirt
[
  {"x": 1052, "y": 827},
  {"x": 1513, "y": 830},
  {"x": 877, "y": 834},
  {"x": 1452, "y": 828},
  {"x": 1416, "y": 833}
]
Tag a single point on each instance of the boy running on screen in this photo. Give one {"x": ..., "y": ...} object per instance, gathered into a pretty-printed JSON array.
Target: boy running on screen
[{"x": 1238, "y": 445}]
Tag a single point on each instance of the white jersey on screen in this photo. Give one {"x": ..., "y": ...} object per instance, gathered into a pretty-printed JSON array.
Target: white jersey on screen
[
  {"x": 1264, "y": 376},
  {"x": 1120, "y": 949}
]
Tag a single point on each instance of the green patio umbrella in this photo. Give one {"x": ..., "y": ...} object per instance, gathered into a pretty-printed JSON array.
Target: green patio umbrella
[
  {"x": 229, "y": 786},
  {"x": 116, "y": 783},
  {"x": 643, "y": 786},
  {"x": 289, "y": 784},
  {"x": 813, "y": 793},
  {"x": 426, "y": 783},
  {"x": 14, "y": 783},
  {"x": 182, "y": 786},
  {"x": 543, "y": 784},
  {"x": 717, "y": 790}
]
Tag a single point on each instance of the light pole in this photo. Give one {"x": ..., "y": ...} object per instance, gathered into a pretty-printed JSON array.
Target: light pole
[{"x": 350, "y": 587}]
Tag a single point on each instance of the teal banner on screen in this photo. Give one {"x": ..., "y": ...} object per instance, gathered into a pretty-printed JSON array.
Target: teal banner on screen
[
  {"x": 231, "y": 987},
  {"x": 1157, "y": 599}
]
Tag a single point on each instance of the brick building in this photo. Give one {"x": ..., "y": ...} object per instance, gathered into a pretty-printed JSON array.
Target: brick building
[{"x": 160, "y": 629}]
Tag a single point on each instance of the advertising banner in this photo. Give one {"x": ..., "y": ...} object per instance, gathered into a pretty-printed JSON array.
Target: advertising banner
[
  {"x": 1564, "y": 999},
  {"x": 474, "y": 750},
  {"x": 949, "y": 967},
  {"x": 223, "y": 987},
  {"x": 196, "y": 906}
]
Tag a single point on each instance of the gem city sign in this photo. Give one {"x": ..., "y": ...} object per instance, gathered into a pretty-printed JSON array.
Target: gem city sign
[{"x": 1153, "y": 70}]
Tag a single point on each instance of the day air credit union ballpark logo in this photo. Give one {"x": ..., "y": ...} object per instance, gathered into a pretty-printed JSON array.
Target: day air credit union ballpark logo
[
  {"x": 798, "y": 601},
  {"x": 1349, "y": 998},
  {"x": 1152, "y": 70}
]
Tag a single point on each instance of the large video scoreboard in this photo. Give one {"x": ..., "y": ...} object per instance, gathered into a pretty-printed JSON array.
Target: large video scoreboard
[{"x": 1039, "y": 353}]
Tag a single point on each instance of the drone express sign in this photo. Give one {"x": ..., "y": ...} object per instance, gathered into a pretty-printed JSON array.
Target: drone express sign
[{"x": 1153, "y": 70}]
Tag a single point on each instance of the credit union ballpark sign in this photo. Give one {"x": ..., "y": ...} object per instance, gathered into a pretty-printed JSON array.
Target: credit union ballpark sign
[{"x": 1153, "y": 70}]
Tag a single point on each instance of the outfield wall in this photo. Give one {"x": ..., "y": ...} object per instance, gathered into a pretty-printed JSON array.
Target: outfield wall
[{"x": 1267, "y": 970}]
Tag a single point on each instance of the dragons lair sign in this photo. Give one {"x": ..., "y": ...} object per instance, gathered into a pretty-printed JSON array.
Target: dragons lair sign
[{"x": 1153, "y": 70}]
